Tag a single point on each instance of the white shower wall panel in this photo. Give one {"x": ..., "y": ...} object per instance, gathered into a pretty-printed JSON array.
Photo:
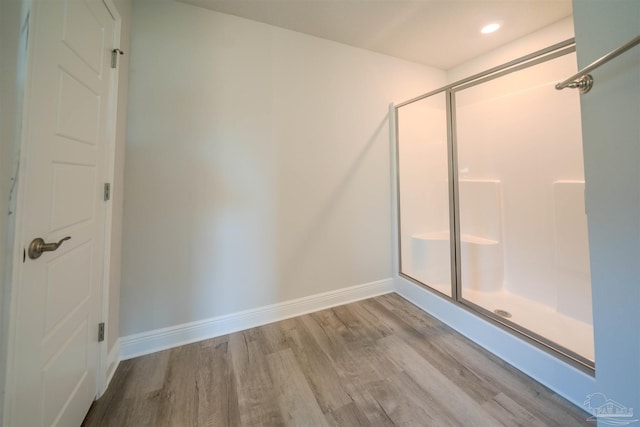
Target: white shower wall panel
[
  {"x": 481, "y": 209},
  {"x": 481, "y": 242}
]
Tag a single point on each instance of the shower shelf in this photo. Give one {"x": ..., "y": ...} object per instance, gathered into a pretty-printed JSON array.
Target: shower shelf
[{"x": 464, "y": 238}]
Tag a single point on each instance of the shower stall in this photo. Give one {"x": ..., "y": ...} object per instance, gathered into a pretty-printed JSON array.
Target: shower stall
[{"x": 491, "y": 210}]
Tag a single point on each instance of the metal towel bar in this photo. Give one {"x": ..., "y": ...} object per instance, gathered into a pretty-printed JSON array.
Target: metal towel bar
[{"x": 582, "y": 80}]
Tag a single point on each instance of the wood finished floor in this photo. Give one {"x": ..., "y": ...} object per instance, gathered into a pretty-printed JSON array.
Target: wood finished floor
[{"x": 378, "y": 362}]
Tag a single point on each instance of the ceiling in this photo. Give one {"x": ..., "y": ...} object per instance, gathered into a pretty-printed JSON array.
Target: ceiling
[{"x": 439, "y": 33}]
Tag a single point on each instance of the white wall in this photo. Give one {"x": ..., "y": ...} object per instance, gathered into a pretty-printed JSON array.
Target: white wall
[
  {"x": 611, "y": 133},
  {"x": 257, "y": 165}
]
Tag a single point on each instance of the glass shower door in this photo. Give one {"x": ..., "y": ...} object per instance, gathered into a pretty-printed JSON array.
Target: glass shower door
[
  {"x": 523, "y": 227},
  {"x": 423, "y": 192}
]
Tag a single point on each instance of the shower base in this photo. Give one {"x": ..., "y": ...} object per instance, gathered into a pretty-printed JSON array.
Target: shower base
[{"x": 545, "y": 321}]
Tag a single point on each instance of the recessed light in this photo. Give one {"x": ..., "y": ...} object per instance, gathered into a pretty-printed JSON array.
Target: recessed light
[{"x": 487, "y": 29}]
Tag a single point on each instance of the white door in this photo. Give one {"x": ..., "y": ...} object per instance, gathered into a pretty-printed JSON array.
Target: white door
[{"x": 66, "y": 133}]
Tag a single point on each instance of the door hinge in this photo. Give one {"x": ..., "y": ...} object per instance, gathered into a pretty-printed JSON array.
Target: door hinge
[
  {"x": 107, "y": 191},
  {"x": 101, "y": 332},
  {"x": 114, "y": 57}
]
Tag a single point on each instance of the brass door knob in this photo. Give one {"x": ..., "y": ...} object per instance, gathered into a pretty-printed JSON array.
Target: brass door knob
[{"x": 38, "y": 246}]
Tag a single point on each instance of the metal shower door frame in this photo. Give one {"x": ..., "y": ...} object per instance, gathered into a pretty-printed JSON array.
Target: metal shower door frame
[{"x": 535, "y": 58}]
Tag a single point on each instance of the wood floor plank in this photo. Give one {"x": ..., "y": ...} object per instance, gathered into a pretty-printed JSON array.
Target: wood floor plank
[
  {"x": 101, "y": 412},
  {"x": 395, "y": 406},
  {"x": 178, "y": 405},
  {"x": 295, "y": 398},
  {"x": 318, "y": 369},
  {"x": 369, "y": 406},
  {"x": 134, "y": 393},
  {"x": 353, "y": 355},
  {"x": 142, "y": 411},
  {"x": 416, "y": 397},
  {"x": 414, "y": 316},
  {"x": 274, "y": 337},
  {"x": 363, "y": 327},
  {"x": 216, "y": 384},
  {"x": 257, "y": 401},
  {"x": 510, "y": 412},
  {"x": 526, "y": 392},
  {"x": 405, "y": 327},
  {"x": 443, "y": 390},
  {"x": 348, "y": 415},
  {"x": 378, "y": 362},
  {"x": 151, "y": 373},
  {"x": 488, "y": 371}
]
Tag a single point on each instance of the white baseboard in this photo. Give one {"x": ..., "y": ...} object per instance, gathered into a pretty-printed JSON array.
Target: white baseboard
[
  {"x": 113, "y": 360},
  {"x": 161, "y": 339}
]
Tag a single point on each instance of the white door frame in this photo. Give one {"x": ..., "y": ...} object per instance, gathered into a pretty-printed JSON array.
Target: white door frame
[
  {"x": 19, "y": 245},
  {"x": 103, "y": 361}
]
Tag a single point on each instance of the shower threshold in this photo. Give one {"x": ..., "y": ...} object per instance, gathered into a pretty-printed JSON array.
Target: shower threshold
[{"x": 571, "y": 333}]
